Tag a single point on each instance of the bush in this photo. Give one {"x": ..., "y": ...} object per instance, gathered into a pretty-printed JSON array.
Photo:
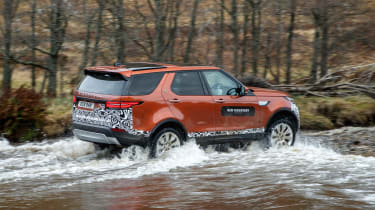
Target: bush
[{"x": 22, "y": 115}]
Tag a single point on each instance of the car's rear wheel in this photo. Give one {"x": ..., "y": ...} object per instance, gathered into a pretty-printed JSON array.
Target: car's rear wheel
[
  {"x": 281, "y": 133},
  {"x": 165, "y": 140}
]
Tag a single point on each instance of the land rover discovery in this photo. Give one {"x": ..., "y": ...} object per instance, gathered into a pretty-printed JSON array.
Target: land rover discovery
[{"x": 163, "y": 105}]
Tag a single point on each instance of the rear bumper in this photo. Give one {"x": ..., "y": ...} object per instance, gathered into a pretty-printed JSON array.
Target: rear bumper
[
  {"x": 94, "y": 137},
  {"x": 104, "y": 135}
]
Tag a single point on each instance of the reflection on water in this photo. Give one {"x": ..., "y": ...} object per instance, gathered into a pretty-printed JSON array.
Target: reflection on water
[{"x": 69, "y": 174}]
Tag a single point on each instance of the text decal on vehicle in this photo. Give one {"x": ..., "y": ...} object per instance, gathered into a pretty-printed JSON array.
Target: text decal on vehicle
[
  {"x": 237, "y": 111},
  {"x": 85, "y": 104}
]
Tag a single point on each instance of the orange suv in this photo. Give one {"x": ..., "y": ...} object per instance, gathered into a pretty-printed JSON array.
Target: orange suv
[{"x": 162, "y": 105}]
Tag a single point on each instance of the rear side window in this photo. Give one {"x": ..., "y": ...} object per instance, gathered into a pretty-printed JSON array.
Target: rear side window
[
  {"x": 187, "y": 83},
  {"x": 103, "y": 83},
  {"x": 144, "y": 84}
]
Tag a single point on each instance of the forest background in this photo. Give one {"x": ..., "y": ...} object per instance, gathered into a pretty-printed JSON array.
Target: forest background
[{"x": 320, "y": 51}]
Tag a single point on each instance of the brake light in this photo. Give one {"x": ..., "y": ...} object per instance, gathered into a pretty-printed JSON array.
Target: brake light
[
  {"x": 121, "y": 104},
  {"x": 74, "y": 99}
]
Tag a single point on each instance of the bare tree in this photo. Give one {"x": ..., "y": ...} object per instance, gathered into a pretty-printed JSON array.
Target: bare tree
[
  {"x": 255, "y": 32},
  {"x": 9, "y": 11},
  {"x": 165, "y": 15},
  {"x": 57, "y": 21},
  {"x": 57, "y": 26},
  {"x": 279, "y": 11},
  {"x": 326, "y": 14},
  {"x": 98, "y": 31},
  {"x": 33, "y": 42},
  {"x": 292, "y": 13},
  {"x": 191, "y": 32},
  {"x": 245, "y": 29},
  {"x": 316, "y": 50},
  {"x": 118, "y": 12},
  {"x": 220, "y": 34},
  {"x": 86, "y": 49}
]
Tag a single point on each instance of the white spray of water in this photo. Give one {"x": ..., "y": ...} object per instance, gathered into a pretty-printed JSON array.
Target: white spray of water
[{"x": 307, "y": 166}]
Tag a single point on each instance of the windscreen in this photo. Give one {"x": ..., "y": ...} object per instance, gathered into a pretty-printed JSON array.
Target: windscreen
[{"x": 103, "y": 83}]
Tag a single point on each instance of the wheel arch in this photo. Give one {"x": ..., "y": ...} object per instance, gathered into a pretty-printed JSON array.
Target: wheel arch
[
  {"x": 169, "y": 123},
  {"x": 281, "y": 113}
]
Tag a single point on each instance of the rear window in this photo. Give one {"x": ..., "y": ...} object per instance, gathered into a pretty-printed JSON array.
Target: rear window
[
  {"x": 144, "y": 84},
  {"x": 103, "y": 83}
]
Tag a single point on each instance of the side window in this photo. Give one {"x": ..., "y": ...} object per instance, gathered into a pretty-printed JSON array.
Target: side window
[
  {"x": 219, "y": 83},
  {"x": 144, "y": 84},
  {"x": 187, "y": 83}
]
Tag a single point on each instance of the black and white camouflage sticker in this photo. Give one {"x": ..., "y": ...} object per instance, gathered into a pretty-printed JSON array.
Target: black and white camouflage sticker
[
  {"x": 123, "y": 119},
  {"x": 225, "y": 133},
  {"x": 113, "y": 118}
]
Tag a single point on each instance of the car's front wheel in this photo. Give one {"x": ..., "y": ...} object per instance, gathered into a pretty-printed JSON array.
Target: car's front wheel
[
  {"x": 165, "y": 140},
  {"x": 281, "y": 133}
]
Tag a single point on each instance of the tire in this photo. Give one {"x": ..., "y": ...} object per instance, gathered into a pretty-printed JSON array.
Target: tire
[
  {"x": 281, "y": 133},
  {"x": 100, "y": 146},
  {"x": 165, "y": 140}
]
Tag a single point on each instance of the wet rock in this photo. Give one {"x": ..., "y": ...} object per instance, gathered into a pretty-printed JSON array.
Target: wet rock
[{"x": 348, "y": 140}]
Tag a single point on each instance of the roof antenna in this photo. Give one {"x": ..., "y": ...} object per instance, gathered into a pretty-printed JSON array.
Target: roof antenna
[{"x": 116, "y": 64}]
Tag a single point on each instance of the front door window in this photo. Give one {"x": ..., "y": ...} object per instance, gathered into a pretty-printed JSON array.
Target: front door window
[{"x": 219, "y": 83}]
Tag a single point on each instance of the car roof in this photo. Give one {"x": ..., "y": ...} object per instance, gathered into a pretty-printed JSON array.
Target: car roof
[{"x": 128, "y": 69}]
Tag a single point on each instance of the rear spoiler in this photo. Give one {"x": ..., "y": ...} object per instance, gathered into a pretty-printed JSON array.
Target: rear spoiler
[{"x": 104, "y": 72}]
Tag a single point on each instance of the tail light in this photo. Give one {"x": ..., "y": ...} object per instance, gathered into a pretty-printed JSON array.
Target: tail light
[
  {"x": 121, "y": 104},
  {"x": 74, "y": 99}
]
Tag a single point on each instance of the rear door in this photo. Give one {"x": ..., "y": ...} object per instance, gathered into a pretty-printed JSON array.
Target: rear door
[
  {"x": 190, "y": 103},
  {"x": 232, "y": 112}
]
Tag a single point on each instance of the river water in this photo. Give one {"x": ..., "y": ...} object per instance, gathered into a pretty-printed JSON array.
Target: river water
[{"x": 68, "y": 174}]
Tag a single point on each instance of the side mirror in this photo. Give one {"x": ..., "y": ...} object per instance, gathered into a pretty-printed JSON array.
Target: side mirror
[{"x": 242, "y": 90}]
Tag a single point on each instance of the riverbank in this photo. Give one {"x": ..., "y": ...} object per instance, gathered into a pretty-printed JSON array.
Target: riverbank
[
  {"x": 348, "y": 140},
  {"x": 317, "y": 114}
]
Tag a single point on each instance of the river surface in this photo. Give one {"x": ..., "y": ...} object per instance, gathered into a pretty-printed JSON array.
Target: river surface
[{"x": 68, "y": 174}]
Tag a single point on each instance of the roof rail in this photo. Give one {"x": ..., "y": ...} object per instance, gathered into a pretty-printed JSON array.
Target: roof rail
[
  {"x": 146, "y": 68},
  {"x": 136, "y": 66}
]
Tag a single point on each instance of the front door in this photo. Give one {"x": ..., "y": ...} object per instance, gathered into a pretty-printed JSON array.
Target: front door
[{"x": 234, "y": 114}]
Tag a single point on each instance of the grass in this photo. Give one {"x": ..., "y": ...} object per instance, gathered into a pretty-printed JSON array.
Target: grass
[
  {"x": 319, "y": 113},
  {"x": 59, "y": 116}
]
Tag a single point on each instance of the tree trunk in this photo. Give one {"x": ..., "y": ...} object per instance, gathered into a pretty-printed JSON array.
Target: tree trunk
[
  {"x": 120, "y": 32},
  {"x": 191, "y": 32},
  {"x": 324, "y": 41},
  {"x": 159, "y": 29},
  {"x": 61, "y": 71},
  {"x": 245, "y": 28},
  {"x": 267, "y": 55},
  {"x": 86, "y": 49},
  {"x": 290, "y": 41},
  {"x": 33, "y": 42},
  {"x": 9, "y": 10},
  {"x": 98, "y": 31},
  {"x": 315, "y": 58},
  {"x": 255, "y": 32},
  {"x": 278, "y": 42},
  {"x": 234, "y": 27},
  {"x": 220, "y": 36},
  {"x": 42, "y": 86},
  {"x": 57, "y": 26}
]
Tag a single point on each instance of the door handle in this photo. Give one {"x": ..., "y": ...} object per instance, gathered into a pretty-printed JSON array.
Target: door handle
[
  {"x": 220, "y": 100},
  {"x": 175, "y": 100}
]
